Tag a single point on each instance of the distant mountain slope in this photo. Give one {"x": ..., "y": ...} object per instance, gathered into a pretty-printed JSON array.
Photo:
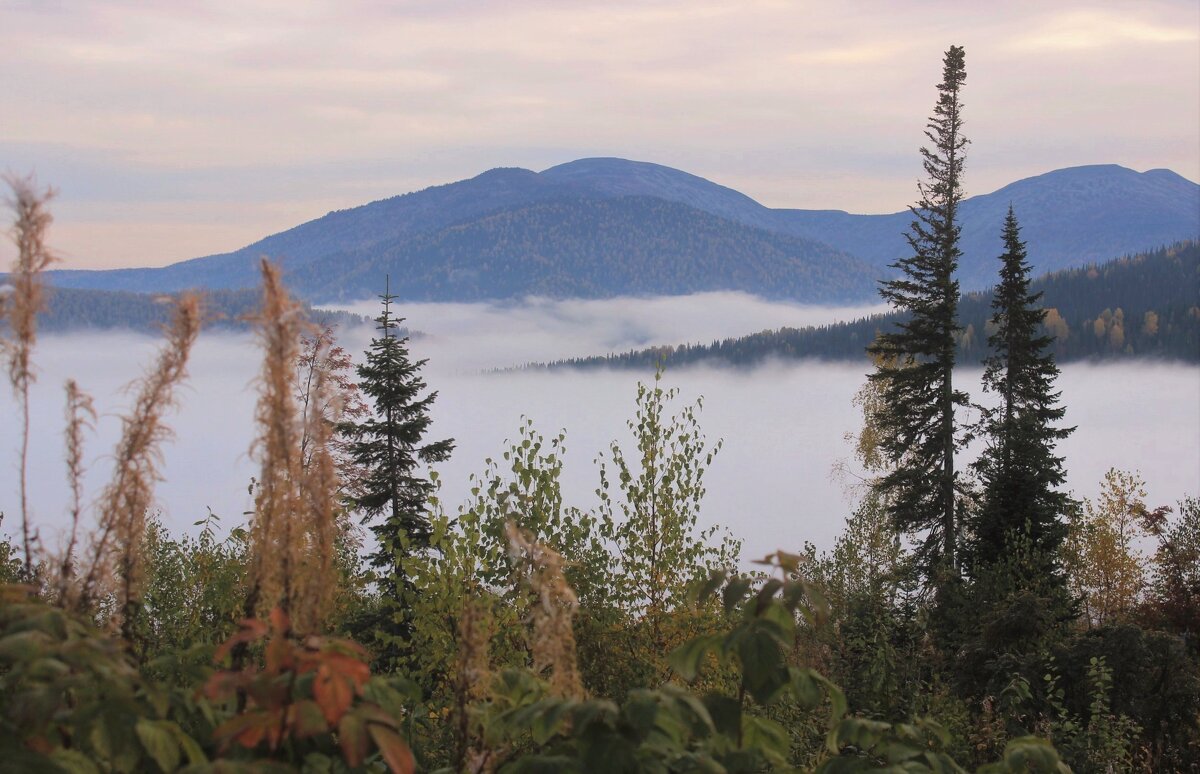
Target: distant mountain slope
[
  {"x": 1070, "y": 217},
  {"x": 1146, "y": 305},
  {"x": 591, "y": 248},
  {"x": 340, "y": 231},
  {"x": 620, "y": 177},
  {"x": 72, "y": 309}
]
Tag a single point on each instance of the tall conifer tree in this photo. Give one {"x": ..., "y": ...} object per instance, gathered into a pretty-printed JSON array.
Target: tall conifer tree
[
  {"x": 387, "y": 445},
  {"x": 1021, "y": 518},
  {"x": 916, "y": 361}
]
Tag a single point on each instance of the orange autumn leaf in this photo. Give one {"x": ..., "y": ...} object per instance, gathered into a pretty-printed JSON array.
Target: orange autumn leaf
[
  {"x": 333, "y": 694},
  {"x": 393, "y": 748}
]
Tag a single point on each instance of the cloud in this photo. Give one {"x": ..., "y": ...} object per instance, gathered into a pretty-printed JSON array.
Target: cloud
[
  {"x": 1080, "y": 30},
  {"x": 782, "y": 423},
  {"x": 798, "y": 104}
]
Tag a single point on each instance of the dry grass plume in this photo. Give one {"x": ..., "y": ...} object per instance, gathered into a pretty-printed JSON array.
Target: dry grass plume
[
  {"x": 81, "y": 415},
  {"x": 472, "y": 683},
  {"x": 294, "y": 528},
  {"x": 552, "y": 638},
  {"x": 116, "y": 557},
  {"x": 20, "y": 305}
]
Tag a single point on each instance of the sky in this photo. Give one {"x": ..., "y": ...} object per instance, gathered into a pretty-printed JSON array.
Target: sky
[
  {"x": 178, "y": 129},
  {"x": 783, "y": 424}
]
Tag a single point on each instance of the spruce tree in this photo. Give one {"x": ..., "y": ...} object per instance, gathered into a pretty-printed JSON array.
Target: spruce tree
[
  {"x": 916, "y": 360},
  {"x": 1021, "y": 518},
  {"x": 387, "y": 446}
]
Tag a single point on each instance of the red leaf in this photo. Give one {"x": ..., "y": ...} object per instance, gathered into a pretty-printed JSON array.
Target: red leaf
[
  {"x": 279, "y": 621},
  {"x": 393, "y": 748},
  {"x": 251, "y": 630},
  {"x": 349, "y": 667},
  {"x": 333, "y": 693},
  {"x": 247, "y": 730},
  {"x": 278, "y": 654}
]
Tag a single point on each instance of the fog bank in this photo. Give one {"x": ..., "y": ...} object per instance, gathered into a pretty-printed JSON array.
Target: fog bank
[{"x": 782, "y": 423}]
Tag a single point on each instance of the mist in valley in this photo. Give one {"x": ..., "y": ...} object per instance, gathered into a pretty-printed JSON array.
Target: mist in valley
[{"x": 783, "y": 423}]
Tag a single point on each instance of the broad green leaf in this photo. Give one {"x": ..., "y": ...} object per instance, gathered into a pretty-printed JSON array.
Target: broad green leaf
[
  {"x": 159, "y": 743},
  {"x": 73, "y": 761},
  {"x": 734, "y": 591},
  {"x": 687, "y": 658},
  {"x": 767, "y": 736},
  {"x": 763, "y": 671}
]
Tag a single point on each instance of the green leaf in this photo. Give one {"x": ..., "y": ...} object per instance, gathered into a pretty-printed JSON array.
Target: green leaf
[
  {"x": 726, "y": 714},
  {"x": 763, "y": 671},
  {"x": 734, "y": 591},
  {"x": 191, "y": 749},
  {"x": 640, "y": 712},
  {"x": 352, "y": 738},
  {"x": 23, "y": 646},
  {"x": 767, "y": 591},
  {"x": 307, "y": 719},
  {"x": 74, "y": 762},
  {"x": 805, "y": 687},
  {"x": 689, "y": 701},
  {"x": 159, "y": 743},
  {"x": 548, "y": 723},
  {"x": 686, "y": 659},
  {"x": 768, "y": 737},
  {"x": 706, "y": 588}
]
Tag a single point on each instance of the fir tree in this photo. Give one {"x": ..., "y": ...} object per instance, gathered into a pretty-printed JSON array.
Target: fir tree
[
  {"x": 387, "y": 446},
  {"x": 916, "y": 360},
  {"x": 1022, "y": 512}
]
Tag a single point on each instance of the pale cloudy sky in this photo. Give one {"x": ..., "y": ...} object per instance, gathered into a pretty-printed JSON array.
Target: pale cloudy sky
[{"x": 178, "y": 128}]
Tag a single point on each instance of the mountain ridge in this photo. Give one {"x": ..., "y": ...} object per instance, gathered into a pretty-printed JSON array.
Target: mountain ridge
[{"x": 1069, "y": 217}]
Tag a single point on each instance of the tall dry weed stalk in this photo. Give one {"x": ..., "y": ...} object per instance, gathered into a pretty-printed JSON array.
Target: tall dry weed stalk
[
  {"x": 81, "y": 415},
  {"x": 31, "y": 219},
  {"x": 473, "y": 681},
  {"x": 116, "y": 551},
  {"x": 552, "y": 637},
  {"x": 319, "y": 484},
  {"x": 294, "y": 529}
]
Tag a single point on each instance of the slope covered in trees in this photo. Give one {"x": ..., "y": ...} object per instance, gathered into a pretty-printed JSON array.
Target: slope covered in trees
[
  {"x": 1072, "y": 216},
  {"x": 70, "y": 309},
  {"x": 1144, "y": 305},
  {"x": 591, "y": 248}
]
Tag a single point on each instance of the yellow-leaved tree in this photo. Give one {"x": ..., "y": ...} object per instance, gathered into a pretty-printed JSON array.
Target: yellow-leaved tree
[{"x": 1105, "y": 570}]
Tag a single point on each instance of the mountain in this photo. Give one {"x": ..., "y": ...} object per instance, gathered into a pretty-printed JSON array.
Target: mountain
[
  {"x": 1145, "y": 305},
  {"x": 357, "y": 228},
  {"x": 591, "y": 248},
  {"x": 74, "y": 309},
  {"x": 1069, "y": 217},
  {"x": 661, "y": 230}
]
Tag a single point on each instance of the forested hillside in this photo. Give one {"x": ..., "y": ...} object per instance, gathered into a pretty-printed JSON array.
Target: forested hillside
[
  {"x": 653, "y": 229},
  {"x": 1145, "y": 305},
  {"x": 591, "y": 248},
  {"x": 69, "y": 309}
]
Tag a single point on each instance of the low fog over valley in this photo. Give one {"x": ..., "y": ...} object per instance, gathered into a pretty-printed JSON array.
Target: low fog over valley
[{"x": 783, "y": 424}]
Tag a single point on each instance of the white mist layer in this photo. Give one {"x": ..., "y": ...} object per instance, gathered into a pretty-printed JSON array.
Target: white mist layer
[{"x": 783, "y": 424}]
